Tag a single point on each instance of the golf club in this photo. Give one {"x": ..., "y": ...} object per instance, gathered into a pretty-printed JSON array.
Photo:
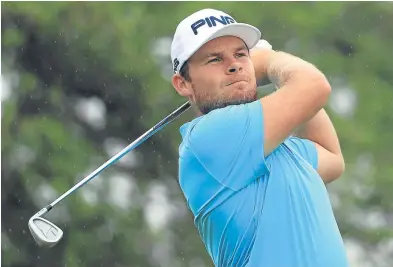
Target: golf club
[{"x": 47, "y": 234}]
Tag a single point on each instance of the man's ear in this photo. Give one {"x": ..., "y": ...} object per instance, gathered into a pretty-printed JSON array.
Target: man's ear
[{"x": 182, "y": 86}]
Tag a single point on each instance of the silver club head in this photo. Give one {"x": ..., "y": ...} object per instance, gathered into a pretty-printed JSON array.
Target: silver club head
[{"x": 45, "y": 233}]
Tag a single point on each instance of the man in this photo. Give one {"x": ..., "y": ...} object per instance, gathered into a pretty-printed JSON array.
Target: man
[{"x": 253, "y": 171}]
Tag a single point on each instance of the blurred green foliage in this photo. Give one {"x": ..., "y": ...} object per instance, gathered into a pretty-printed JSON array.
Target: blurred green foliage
[{"x": 55, "y": 54}]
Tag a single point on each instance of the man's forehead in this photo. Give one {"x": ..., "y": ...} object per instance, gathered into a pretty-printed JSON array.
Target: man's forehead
[{"x": 220, "y": 44}]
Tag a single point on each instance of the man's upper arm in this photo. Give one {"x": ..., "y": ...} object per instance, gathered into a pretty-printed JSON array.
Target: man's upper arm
[
  {"x": 307, "y": 149},
  {"x": 295, "y": 103},
  {"x": 328, "y": 165},
  {"x": 228, "y": 143}
]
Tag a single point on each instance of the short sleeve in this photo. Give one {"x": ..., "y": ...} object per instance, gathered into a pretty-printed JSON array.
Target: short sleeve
[
  {"x": 306, "y": 149},
  {"x": 228, "y": 143}
]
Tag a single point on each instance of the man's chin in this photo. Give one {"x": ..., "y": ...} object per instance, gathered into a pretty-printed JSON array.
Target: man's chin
[{"x": 206, "y": 107}]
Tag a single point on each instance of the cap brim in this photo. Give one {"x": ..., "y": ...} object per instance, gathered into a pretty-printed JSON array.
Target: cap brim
[{"x": 248, "y": 33}]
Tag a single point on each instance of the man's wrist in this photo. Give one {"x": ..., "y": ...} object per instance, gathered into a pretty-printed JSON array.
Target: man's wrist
[{"x": 260, "y": 58}]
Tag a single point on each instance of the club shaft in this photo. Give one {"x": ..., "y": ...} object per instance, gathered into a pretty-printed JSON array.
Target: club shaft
[{"x": 119, "y": 155}]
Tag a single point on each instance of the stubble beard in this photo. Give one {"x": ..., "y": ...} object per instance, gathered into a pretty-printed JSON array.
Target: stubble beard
[{"x": 206, "y": 104}]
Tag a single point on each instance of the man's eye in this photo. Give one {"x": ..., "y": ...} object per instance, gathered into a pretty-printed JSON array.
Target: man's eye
[
  {"x": 241, "y": 54},
  {"x": 213, "y": 60}
]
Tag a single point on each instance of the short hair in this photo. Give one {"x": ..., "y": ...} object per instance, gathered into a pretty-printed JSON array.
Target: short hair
[{"x": 185, "y": 71}]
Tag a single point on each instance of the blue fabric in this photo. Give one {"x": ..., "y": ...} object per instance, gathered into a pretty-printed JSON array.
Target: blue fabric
[{"x": 251, "y": 210}]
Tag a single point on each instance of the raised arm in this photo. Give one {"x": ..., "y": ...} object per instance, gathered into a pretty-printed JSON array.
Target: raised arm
[
  {"x": 297, "y": 108},
  {"x": 303, "y": 91}
]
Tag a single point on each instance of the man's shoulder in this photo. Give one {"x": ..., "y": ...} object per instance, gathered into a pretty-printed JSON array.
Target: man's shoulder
[
  {"x": 187, "y": 127},
  {"x": 222, "y": 117}
]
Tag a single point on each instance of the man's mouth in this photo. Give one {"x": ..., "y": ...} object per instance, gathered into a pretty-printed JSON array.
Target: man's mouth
[{"x": 235, "y": 82}]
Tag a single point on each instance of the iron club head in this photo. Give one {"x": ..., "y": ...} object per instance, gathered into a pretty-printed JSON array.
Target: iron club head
[{"x": 45, "y": 233}]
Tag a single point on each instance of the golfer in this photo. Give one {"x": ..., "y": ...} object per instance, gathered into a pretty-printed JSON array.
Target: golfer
[{"x": 253, "y": 171}]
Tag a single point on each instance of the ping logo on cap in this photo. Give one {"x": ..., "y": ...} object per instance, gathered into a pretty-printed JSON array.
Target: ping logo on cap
[{"x": 211, "y": 22}]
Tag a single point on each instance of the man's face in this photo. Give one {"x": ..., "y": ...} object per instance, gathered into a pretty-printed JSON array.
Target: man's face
[{"x": 222, "y": 74}]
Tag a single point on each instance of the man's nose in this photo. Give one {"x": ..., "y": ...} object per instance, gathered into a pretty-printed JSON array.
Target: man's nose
[{"x": 234, "y": 67}]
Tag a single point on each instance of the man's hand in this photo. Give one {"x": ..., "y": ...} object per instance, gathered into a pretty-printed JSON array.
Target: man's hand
[
  {"x": 263, "y": 44},
  {"x": 259, "y": 55}
]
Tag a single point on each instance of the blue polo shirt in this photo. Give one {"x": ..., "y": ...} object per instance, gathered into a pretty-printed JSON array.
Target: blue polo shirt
[{"x": 252, "y": 210}]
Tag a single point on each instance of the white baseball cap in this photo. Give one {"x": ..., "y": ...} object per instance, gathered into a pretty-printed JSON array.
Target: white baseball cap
[{"x": 203, "y": 26}]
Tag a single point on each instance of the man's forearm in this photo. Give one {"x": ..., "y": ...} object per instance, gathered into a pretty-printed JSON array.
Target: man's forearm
[
  {"x": 285, "y": 67},
  {"x": 320, "y": 130},
  {"x": 259, "y": 57}
]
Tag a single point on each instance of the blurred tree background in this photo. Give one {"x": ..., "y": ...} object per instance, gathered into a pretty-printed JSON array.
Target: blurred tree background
[{"x": 81, "y": 80}]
